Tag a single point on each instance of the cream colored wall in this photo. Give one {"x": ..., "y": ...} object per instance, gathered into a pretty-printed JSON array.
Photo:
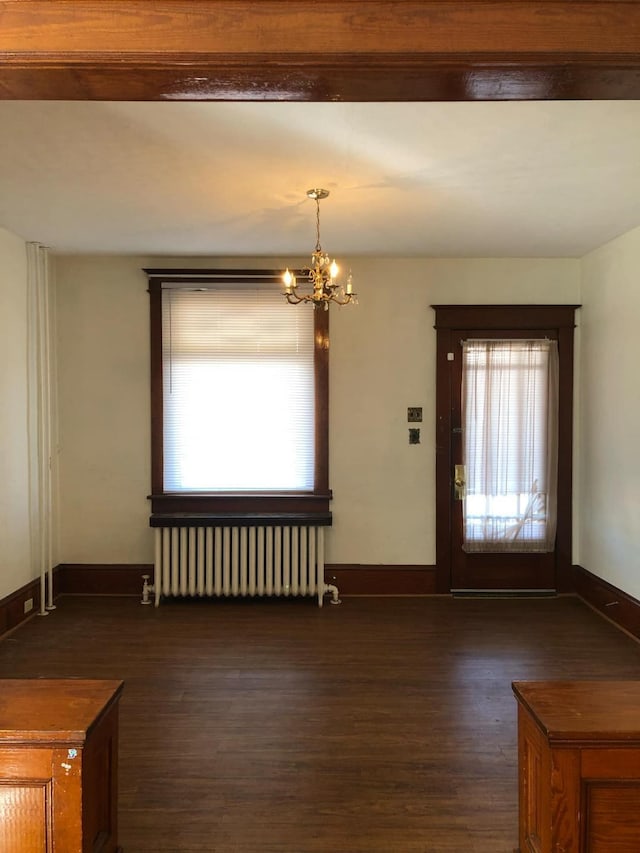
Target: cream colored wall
[
  {"x": 382, "y": 360},
  {"x": 103, "y": 410},
  {"x": 609, "y": 414},
  {"x": 15, "y": 554}
]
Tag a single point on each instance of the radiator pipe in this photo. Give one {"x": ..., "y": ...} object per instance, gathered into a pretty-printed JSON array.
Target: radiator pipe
[
  {"x": 333, "y": 589},
  {"x": 147, "y": 589}
]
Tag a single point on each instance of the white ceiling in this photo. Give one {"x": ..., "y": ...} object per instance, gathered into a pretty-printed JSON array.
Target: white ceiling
[{"x": 407, "y": 179}]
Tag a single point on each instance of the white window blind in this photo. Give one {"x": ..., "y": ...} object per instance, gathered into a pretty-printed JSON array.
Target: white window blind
[
  {"x": 510, "y": 402},
  {"x": 238, "y": 392}
]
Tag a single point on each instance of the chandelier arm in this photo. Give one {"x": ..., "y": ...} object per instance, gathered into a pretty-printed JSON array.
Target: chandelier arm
[{"x": 349, "y": 297}]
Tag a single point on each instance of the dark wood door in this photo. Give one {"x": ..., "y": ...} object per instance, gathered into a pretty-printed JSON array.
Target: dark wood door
[
  {"x": 457, "y": 570},
  {"x": 489, "y": 571}
]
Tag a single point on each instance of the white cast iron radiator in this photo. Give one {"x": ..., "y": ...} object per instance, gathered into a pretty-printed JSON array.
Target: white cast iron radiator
[{"x": 240, "y": 561}]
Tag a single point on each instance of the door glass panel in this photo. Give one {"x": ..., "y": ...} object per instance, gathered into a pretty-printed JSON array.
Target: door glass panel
[{"x": 509, "y": 411}]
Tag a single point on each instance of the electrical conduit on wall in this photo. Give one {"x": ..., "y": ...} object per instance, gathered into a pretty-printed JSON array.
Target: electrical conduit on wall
[{"x": 41, "y": 419}]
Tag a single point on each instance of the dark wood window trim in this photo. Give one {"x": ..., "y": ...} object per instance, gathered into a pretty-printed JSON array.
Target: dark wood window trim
[
  {"x": 236, "y": 507},
  {"x": 557, "y": 321}
]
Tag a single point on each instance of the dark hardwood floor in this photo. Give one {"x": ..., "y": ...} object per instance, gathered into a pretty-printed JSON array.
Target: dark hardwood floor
[{"x": 386, "y": 725}]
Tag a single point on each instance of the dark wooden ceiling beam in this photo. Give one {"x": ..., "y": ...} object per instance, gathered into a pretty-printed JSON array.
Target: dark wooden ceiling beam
[{"x": 319, "y": 49}]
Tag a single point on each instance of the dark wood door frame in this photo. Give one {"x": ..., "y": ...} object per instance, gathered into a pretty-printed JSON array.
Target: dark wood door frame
[
  {"x": 449, "y": 320},
  {"x": 375, "y": 50}
]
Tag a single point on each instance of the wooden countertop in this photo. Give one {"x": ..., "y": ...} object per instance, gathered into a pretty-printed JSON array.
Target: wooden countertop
[
  {"x": 584, "y": 713},
  {"x": 52, "y": 710}
]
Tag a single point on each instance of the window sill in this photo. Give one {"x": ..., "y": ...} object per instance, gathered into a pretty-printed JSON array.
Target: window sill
[
  {"x": 239, "y": 505},
  {"x": 240, "y": 519}
]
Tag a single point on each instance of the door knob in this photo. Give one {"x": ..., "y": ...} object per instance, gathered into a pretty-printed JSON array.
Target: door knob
[{"x": 459, "y": 482}]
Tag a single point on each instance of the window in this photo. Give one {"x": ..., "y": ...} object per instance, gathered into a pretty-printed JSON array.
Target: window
[
  {"x": 510, "y": 401},
  {"x": 239, "y": 395}
]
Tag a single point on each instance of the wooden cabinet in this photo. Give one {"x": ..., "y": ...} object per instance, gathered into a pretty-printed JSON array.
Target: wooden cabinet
[
  {"x": 579, "y": 766},
  {"x": 58, "y": 765}
]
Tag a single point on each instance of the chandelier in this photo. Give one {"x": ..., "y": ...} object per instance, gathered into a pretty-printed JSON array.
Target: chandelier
[{"x": 321, "y": 274}]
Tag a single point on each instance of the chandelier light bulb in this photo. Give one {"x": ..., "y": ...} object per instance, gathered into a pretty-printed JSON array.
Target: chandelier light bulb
[
  {"x": 349, "y": 288},
  {"x": 289, "y": 280}
]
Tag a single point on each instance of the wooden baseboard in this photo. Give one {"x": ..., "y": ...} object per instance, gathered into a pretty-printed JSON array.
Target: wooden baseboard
[
  {"x": 618, "y": 606},
  {"x": 357, "y": 579},
  {"x": 351, "y": 579},
  {"x": 101, "y": 579},
  {"x": 12, "y": 606}
]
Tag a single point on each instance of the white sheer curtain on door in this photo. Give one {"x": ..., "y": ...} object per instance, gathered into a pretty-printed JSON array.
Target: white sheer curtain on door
[{"x": 509, "y": 410}]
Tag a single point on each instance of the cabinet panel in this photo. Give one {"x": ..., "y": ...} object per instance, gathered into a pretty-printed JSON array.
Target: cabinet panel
[
  {"x": 564, "y": 815},
  {"x": 531, "y": 791},
  {"x": 67, "y": 800},
  {"x": 21, "y": 764},
  {"x": 99, "y": 795},
  {"x": 613, "y": 764},
  {"x": 25, "y": 826},
  {"x": 612, "y": 818}
]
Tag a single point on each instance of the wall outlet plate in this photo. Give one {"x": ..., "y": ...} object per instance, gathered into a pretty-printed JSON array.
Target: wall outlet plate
[
  {"x": 28, "y": 605},
  {"x": 414, "y": 414}
]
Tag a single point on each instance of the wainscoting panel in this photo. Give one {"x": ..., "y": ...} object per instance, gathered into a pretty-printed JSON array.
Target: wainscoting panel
[
  {"x": 12, "y": 607},
  {"x": 357, "y": 579},
  {"x": 351, "y": 579},
  {"x": 101, "y": 579},
  {"x": 620, "y": 607}
]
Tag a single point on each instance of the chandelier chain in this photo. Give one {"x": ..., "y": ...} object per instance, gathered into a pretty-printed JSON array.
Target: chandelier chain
[{"x": 318, "y": 246}]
